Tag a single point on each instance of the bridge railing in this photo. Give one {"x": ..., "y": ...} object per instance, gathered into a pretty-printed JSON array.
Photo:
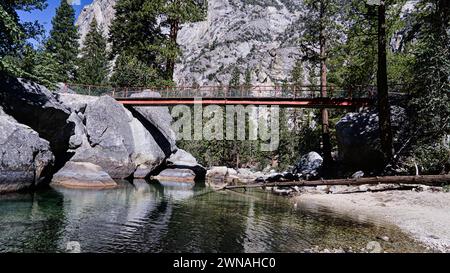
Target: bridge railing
[{"x": 242, "y": 91}]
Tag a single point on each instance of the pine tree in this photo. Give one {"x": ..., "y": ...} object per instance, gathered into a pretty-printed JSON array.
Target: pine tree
[
  {"x": 63, "y": 41},
  {"x": 297, "y": 76},
  {"x": 176, "y": 13},
  {"x": 40, "y": 66},
  {"x": 138, "y": 31},
  {"x": 430, "y": 102},
  {"x": 93, "y": 64},
  {"x": 248, "y": 82},
  {"x": 312, "y": 76},
  {"x": 235, "y": 82},
  {"x": 322, "y": 26},
  {"x": 14, "y": 33},
  {"x": 135, "y": 32},
  {"x": 129, "y": 72}
]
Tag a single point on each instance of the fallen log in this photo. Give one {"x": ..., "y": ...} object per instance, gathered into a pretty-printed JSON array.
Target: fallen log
[{"x": 431, "y": 180}]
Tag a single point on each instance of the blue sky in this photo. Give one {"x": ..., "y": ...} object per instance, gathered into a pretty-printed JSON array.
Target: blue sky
[{"x": 45, "y": 16}]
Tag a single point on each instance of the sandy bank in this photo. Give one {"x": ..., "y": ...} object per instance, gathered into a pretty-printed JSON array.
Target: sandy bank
[{"x": 424, "y": 215}]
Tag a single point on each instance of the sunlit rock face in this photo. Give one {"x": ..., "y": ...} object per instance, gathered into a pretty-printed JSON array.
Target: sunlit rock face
[
  {"x": 259, "y": 35},
  {"x": 24, "y": 156},
  {"x": 102, "y": 10}
]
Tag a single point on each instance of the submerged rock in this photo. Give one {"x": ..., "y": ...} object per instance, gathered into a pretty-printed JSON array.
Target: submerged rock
[
  {"x": 176, "y": 175},
  {"x": 82, "y": 175},
  {"x": 25, "y": 158}
]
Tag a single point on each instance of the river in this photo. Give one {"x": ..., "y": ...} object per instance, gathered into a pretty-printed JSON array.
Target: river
[{"x": 174, "y": 217}]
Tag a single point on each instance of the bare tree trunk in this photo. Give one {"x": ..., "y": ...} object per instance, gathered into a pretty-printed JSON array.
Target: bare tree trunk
[
  {"x": 437, "y": 180},
  {"x": 326, "y": 142},
  {"x": 384, "y": 110}
]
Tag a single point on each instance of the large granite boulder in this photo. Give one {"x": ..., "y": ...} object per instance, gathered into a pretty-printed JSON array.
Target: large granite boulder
[
  {"x": 158, "y": 121},
  {"x": 112, "y": 138},
  {"x": 358, "y": 138},
  {"x": 84, "y": 130},
  {"x": 25, "y": 158},
  {"x": 182, "y": 166},
  {"x": 34, "y": 105},
  {"x": 309, "y": 165},
  {"x": 220, "y": 175},
  {"x": 74, "y": 102},
  {"x": 82, "y": 175}
]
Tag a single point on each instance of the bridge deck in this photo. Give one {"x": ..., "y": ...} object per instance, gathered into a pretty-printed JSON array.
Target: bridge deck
[
  {"x": 282, "y": 102},
  {"x": 284, "y": 96}
]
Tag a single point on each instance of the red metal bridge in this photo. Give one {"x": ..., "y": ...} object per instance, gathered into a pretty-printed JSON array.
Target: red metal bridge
[{"x": 282, "y": 95}]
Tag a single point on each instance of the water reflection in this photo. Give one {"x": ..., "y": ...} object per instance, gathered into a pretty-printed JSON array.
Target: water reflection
[
  {"x": 31, "y": 222},
  {"x": 174, "y": 217}
]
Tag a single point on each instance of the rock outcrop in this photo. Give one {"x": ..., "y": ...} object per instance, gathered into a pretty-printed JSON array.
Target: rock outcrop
[
  {"x": 156, "y": 120},
  {"x": 34, "y": 105},
  {"x": 108, "y": 135},
  {"x": 94, "y": 139},
  {"x": 261, "y": 36},
  {"x": 25, "y": 158},
  {"x": 359, "y": 139},
  {"x": 102, "y": 10},
  {"x": 308, "y": 166},
  {"x": 82, "y": 175}
]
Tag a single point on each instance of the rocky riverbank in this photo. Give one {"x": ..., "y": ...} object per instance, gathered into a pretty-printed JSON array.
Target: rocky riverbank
[
  {"x": 418, "y": 210},
  {"x": 422, "y": 214},
  {"x": 79, "y": 141}
]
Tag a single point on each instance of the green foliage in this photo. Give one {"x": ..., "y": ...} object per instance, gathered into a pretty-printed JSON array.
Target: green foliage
[
  {"x": 137, "y": 32},
  {"x": 297, "y": 74},
  {"x": 134, "y": 31},
  {"x": 34, "y": 64},
  {"x": 321, "y": 17},
  {"x": 432, "y": 157},
  {"x": 354, "y": 62},
  {"x": 248, "y": 79},
  {"x": 63, "y": 41},
  {"x": 235, "y": 81},
  {"x": 93, "y": 64},
  {"x": 40, "y": 66},
  {"x": 130, "y": 71},
  {"x": 312, "y": 76},
  {"x": 430, "y": 102},
  {"x": 14, "y": 33}
]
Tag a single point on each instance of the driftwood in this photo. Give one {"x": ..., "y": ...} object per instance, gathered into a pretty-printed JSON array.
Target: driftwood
[{"x": 432, "y": 180}]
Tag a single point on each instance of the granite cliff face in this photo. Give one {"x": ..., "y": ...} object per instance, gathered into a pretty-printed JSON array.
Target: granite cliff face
[
  {"x": 259, "y": 35},
  {"x": 102, "y": 10}
]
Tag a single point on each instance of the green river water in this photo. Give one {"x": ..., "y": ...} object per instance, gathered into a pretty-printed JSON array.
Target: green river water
[{"x": 174, "y": 217}]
